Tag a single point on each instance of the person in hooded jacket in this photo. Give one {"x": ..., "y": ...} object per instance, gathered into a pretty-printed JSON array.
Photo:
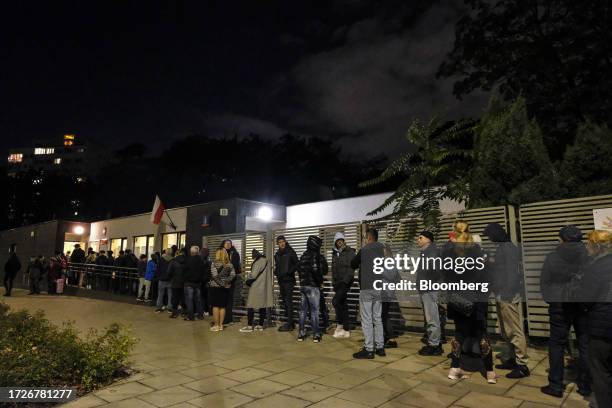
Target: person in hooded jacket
[
  {"x": 596, "y": 287},
  {"x": 234, "y": 257},
  {"x": 176, "y": 269},
  {"x": 11, "y": 269},
  {"x": 311, "y": 269},
  {"x": 504, "y": 267},
  {"x": 343, "y": 276},
  {"x": 560, "y": 269},
  {"x": 285, "y": 265}
]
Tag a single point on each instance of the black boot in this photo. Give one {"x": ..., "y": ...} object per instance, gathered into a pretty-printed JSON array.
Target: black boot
[
  {"x": 519, "y": 371},
  {"x": 363, "y": 353}
]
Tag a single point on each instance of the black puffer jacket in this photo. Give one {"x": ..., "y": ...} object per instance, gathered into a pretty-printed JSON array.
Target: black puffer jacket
[
  {"x": 285, "y": 264},
  {"x": 175, "y": 271},
  {"x": 560, "y": 268},
  {"x": 504, "y": 264},
  {"x": 312, "y": 266},
  {"x": 342, "y": 272},
  {"x": 597, "y": 288}
]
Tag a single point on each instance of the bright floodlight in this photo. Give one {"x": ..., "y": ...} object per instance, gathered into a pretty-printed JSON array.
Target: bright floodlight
[
  {"x": 265, "y": 213},
  {"x": 79, "y": 230}
]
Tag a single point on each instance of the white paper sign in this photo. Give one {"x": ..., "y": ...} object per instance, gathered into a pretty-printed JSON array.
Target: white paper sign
[{"x": 602, "y": 218}]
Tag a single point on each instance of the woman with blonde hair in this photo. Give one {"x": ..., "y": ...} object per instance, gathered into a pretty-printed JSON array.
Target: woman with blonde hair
[
  {"x": 468, "y": 309},
  {"x": 597, "y": 293},
  {"x": 222, "y": 274}
]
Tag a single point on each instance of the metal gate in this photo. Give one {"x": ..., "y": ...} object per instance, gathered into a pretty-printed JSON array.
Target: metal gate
[
  {"x": 245, "y": 243},
  {"x": 540, "y": 223}
]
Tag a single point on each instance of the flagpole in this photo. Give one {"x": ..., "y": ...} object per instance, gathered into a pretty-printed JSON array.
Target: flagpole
[{"x": 171, "y": 222}]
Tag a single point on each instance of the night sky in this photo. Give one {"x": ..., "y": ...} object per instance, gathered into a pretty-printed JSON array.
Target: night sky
[{"x": 124, "y": 71}]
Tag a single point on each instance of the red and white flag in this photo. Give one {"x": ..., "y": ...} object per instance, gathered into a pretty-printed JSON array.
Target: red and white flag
[{"x": 158, "y": 211}]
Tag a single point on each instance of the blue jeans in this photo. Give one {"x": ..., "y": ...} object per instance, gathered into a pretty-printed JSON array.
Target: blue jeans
[
  {"x": 193, "y": 294},
  {"x": 432, "y": 317},
  {"x": 310, "y": 299},
  {"x": 370, "y": 308},
  {"x": 162, "y": 287}
]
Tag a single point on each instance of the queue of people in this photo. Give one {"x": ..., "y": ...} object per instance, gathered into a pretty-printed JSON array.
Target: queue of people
[{"x": 576, "y": 282}]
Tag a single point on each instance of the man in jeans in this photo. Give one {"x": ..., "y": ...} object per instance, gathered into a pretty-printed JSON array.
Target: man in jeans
[
  {"x": 311, "y": 269},
  {"x": 164, "y": 286},
  {"x": 370, "y": 300},
  {"x": 194, "y": 274},
  {"x": 430, "y": 298},
  {"x": 285, "y": 266}
]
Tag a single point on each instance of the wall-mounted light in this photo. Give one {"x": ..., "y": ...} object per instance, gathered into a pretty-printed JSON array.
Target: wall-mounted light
[
  {"x": 104, "y": 231},
  {"x": 264, "y": 213},
  {"x": 79, "y": 230}
]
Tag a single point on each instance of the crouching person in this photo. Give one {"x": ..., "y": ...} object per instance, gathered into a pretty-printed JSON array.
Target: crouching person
[{"x": 261, "y": 296}]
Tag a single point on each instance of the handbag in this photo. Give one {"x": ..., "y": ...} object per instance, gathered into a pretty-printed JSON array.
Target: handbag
[
  {"x": 460, "y": 304},
  {"x": 250, "y": 281}
]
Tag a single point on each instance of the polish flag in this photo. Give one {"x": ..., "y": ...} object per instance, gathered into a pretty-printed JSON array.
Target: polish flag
[{"x": 158, "y": 211}]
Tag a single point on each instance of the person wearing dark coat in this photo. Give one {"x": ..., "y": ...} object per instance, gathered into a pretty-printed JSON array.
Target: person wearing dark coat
[
  {"x": 430, "y": 299},
  {"x": 504, "y": 267},
  {"x": 285, "y": 266},
  {"x": 11, "y": 269},
  {"x": 311, "y": 269},
  {"x": 176, "y": 269},
  {"x": 597, "y": 292},
  {"x": 35, "y": 271},
  {"x": 164, "y": 287},
  {"x": 343, "y": 277},
  {"x": 78, "y": 255},
  {"x": 54, "y": 273},
  {"x": 234, "y": 257},
  {"x": 194, "y": 274},
  {"x": 560, "y": 269},
  {"x": 470, "y": 326}
]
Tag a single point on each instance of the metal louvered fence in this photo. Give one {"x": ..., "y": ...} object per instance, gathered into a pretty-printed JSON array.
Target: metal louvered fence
[{"x": 535, "y": 226}]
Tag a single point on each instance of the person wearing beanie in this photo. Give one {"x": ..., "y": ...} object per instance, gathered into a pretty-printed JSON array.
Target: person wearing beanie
[
  {"x": 343, "y": 277},
  {"x": 425, "y": 242},
  {"x": 504, "y": 267},
  {"x": 285, "y": 266},
  {"x": 562, "y": 267},
  {"x": 261, "y": 295}
]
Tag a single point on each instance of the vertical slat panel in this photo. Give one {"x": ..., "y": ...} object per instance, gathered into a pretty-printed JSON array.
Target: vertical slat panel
[{"x": 540, "y": 224}]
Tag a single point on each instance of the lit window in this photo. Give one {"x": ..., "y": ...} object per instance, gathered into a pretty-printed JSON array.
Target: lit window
[
  {"x": 57, "y": 160},
  {"x": 68, "y": 140},
  {"x": 37, "y": 181},
  {"x": 79, "y": 179},
  {"x": 44, "y": 150},
  {"x": 15, "y": 158}
]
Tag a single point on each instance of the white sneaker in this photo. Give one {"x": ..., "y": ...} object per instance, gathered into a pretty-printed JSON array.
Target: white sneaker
[
  {"x": 456, "y": 374},
  {"x": 214, "y": 328},
  {"x": 246, "y": 329},
  {"x": 258, "y": 328},
  {"x": 345, "y": 334}
]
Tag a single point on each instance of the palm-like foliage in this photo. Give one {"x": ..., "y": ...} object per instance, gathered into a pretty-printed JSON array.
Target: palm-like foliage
[{"x": 435, "y": 169}]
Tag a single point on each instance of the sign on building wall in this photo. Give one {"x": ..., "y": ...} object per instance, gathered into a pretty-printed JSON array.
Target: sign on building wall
[{"x": 602, "y": 218}]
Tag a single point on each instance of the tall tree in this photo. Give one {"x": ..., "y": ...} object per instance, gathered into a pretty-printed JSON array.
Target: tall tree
[
  {"x": 587, "y": 166},
  {"x": 511, "y": 165},
  {"x": 435, "y": 168},
  {"x": 556, "y": 53}
]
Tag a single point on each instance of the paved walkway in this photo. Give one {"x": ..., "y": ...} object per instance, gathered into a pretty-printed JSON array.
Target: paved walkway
[{"x": 183, "y": 364}]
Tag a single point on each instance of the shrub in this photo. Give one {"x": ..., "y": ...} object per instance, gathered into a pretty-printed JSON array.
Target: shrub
[{"x": 35, "y": 352}]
